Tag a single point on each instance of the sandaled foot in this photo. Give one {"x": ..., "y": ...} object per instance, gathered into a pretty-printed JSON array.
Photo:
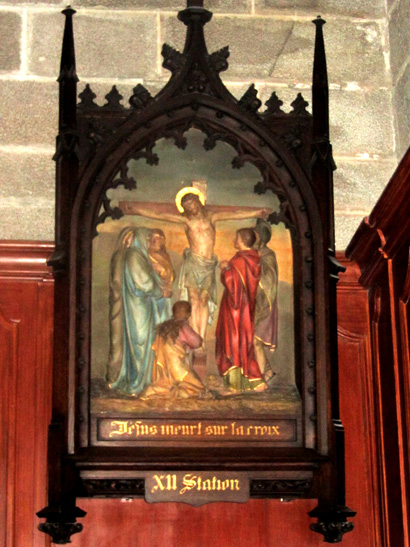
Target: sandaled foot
[{"x": 261, "y": 387}]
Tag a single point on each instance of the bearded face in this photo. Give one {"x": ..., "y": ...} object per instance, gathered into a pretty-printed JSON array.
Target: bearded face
[{"x": 191, "y": 205}]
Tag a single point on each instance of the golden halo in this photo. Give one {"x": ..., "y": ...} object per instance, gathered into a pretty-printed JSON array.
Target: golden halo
[{"x": 188, "y": 190}]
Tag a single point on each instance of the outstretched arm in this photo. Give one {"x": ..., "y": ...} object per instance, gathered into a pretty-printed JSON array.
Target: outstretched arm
[
  {"x": 241, "y": 213},
  {"x": 148, "y": 211}
]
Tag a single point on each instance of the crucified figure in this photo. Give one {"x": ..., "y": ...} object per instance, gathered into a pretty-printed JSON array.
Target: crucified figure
[{"x": 197, "y": 280}]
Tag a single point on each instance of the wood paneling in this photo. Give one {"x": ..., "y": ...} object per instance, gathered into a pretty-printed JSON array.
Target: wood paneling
[
  {"x": 356, "y": 408},
  {"x": 9, "y": 331},
  {"x": 261, "y": 523},
  {"x": 26, "y": 296},
  {"x": 381, "y": 249}
]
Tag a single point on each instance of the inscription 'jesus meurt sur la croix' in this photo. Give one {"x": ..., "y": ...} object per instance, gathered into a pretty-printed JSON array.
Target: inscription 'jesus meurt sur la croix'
[{"x": 127, "y": 429}]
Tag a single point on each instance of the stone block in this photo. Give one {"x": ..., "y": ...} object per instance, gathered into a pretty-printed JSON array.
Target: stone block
[
  {"x": 10, "y": 32},
  {"x": 40, "y": 3},
  {"x": 255, "y": 43},
  {"x": 361, "y": 123},
  {"x": 390, "y": 5},
  {"x": 352, "y": 8},
  {"x": 401, "y": 100},
  {"x": 27, "y": 176},
  {"x": 217, "y": 6},
  {"x": 359, "y": 184},
  {"x": 399, "y": 35},
  {"x": 108, "y": 44},
  {"x": 353, "y": 50},
  {"x": 132, "y": 4},
  {"x": 28, "y": 112},
  {"x": 345, "y": 227},
  {"x": 27, "y": 219}
]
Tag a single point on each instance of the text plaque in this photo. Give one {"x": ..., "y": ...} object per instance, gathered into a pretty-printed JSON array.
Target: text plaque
[
  {"x": 111, "y": 429},
  {"x": 197, "y": 487}
]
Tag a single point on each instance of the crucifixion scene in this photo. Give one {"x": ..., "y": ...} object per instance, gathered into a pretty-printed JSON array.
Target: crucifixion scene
[{"x": 193, "y": 290}]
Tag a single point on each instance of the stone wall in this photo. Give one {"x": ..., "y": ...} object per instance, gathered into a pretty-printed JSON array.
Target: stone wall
[
  {"x": 399, "y": 34},
  {"x": 271, "y": 43}
]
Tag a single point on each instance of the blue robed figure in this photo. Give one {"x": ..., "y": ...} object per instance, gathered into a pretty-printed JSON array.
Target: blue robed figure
[{"x": 137, "y": 306}]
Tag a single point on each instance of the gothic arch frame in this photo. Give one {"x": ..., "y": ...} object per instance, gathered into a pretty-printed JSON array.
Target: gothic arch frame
[{"x": 294, "y": 156}]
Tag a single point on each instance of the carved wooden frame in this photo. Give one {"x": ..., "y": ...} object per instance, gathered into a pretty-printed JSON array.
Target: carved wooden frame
[{"x": 294, "y": 156}]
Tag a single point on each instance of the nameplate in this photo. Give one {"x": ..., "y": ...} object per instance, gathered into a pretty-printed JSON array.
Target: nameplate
[
  {"x": 110, "y": 429},
  {"x": 197, "y": 487}
]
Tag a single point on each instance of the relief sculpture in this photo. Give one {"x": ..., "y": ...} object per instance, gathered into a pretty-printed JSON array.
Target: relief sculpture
[{"x": 200, "y": 321}]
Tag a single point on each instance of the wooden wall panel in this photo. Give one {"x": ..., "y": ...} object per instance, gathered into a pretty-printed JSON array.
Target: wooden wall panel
[
  {"x": 9, "y": 331},
  {"x": 26, "y": 300},
  {"x": 26, "y": 306},
  {"x": 261, "y": 523},
  {"x": 357, "y": 409},
  {"x": 404, "y": 327}
]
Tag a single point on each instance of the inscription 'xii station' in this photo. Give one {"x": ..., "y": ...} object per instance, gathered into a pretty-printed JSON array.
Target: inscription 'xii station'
[{"x": 197, "y": 488}]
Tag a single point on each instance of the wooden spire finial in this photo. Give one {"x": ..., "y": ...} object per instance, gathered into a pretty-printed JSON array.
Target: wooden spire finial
[
  {"x": 68, "y": 75},
  {"x": 320, "y": 87},
  {"x": 67, "y": 66}
]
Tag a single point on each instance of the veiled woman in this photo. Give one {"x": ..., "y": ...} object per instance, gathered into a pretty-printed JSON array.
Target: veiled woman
[{"x": 136, "y": 308}]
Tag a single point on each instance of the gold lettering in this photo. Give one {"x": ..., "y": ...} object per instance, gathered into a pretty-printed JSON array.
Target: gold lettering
[
  {"x": 167, "y": 430},
  {"x": 141, "y": 428},
  {"x": 238, "y": 430},
  {"x": 159, "y": 483},
  {"x": 225, "y": 484},
  {"x": 218, "y": 430},
  {"x": 206, "y": 485},
  {"x": 189, "y": 482},
  {"x": 122, "y": 428},
  {"x": 235, "y": 484},
  {"x": 171, "y": 482}
]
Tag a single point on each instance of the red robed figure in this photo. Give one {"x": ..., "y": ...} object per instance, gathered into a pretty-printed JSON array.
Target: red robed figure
[{"x": 235, "y": 328}]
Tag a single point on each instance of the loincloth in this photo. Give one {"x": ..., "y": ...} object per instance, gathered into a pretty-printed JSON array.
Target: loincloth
[{"x": 198, "y": 273}]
